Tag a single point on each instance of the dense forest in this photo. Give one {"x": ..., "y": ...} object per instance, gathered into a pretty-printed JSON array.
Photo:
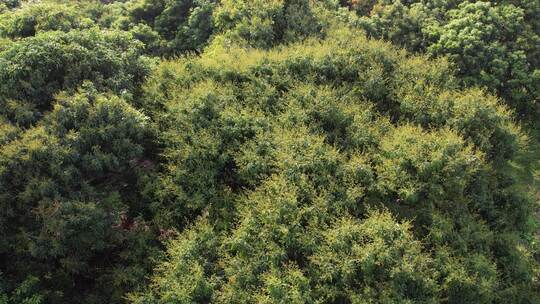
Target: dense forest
[{"x": 269, "y": 151}]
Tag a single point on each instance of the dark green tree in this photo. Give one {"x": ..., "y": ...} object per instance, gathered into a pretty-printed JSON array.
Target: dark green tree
[
  {"x": 185, "y": 25},
  {"x": 71, "y": 215}
]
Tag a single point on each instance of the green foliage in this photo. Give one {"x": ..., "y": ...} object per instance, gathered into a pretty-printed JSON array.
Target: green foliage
[
  {"x": 259, "y": 260},
  {"x": 493, "y": 45},
  {"x": 395, "y": 21},
  {"x": 379, "y": 254},
  {"x": 186, "y": 25},
  {"x": 265, "y": 23},
  {"x": 65, "y": 188},
  {"x": 184, "y": 277},
  {"x": 426, "y": 168},
  {"x": 5, "y": 43},
  {"x": 283, "y": 153},
  {"x": 32, "y": 70},
  {"x": 487, "y": 44},
  {"x": 32, "y": 19},
  {"x": 10, "y": 3},
  {"x": 26, "y": 293},
  {"x": 285, "y": 157}
]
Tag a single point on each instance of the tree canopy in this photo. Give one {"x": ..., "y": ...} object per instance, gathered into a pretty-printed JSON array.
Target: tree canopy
[
  {"x": 492, "y": 44},
  {"x": 201, "y": 151}
]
